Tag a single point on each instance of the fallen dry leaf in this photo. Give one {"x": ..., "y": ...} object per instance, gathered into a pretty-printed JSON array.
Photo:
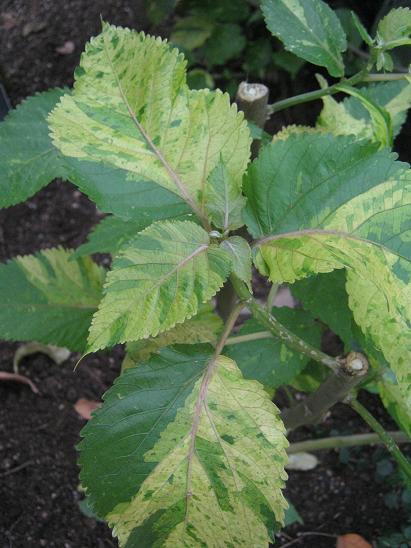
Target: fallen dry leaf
[
  {"x": 67, "y": 48},
  {"x": 57, "y": 354},
  {"x": 352, "y": 540},
  {"x": 4, "y": 376},
  {"x": 85, "y": 407}
]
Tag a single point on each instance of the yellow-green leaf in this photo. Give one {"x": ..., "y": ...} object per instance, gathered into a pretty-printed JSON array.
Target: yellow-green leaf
[
  {"x": 217, "y": 470},
  {"x": 131, "y": 108},
  {"x": 159, "y": 279}
]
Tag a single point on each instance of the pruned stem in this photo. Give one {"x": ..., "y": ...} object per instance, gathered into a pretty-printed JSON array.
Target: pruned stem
[
  {"x": 336, "y": 388},
  {"x": 252, "y": 99},
  {"x": 385, "y": 437},
  {"x": 278, "y": 330},
  {"x": 338, "y": 442}
]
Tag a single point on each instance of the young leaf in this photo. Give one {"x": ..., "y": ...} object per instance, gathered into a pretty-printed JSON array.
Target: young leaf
[
  {"x": 202, "y": 328},
  {"x": 324, "y": 222},
  {"x": 267, "y": 359},
  {"x": 28, "y": 159},
  {"x": 240, "y": 254},
  {"x": 394, "y": 29},
  {"x": 131, "y": 108},
  {"x": 351, "y": 117},
  {"x": 361, "y": 29},
  {"x": 222, "y": 456},
  {"x": 309, "y": 29},
  {"x": 49, "y": 298},
  {"x": 224, "y": 201},
  {"x": 108, "y": 236},
  {"x": 158, "y": 280}
]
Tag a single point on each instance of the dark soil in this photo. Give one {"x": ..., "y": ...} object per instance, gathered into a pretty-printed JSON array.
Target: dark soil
[{"x": 38, "y": 473}]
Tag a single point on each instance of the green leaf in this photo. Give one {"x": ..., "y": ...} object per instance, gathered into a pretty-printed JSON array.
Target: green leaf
[
  {"x": 224, "y": 11},
  {"x": 224, "y": 202},
  {"x": 136, "y": 410},
  {"x": 191, "y": 32},
  {"x": 288, "y": 62},
  {"x": 325, "y": 296},
  {"x": 221, "y": 457},
  {"x": 350, "y": 117},
  {"x": 240, "y": 254},
  {"x": 396, "y": 403},
  {"x": 28, "y": 159},
  {"x": 108, "y": 236},
  {"x": 158, "y": 280},
  {"x": 381, "y": 120},
  {"x": 361, "y": 29},
  {"x": 112, "y": 191},
  {"x": 49, "y": 298},
  {"x": 309, "y": 29},
  {"x": 341, "y": 216},
  {"x": 394, "y": 29},
  {"x": 267, "y": 359},
  {"x": 227, "y": 42},
  {"x": 132, "y": 109},
  {"x": 199, "y": 79},
  {"x": 202, "y": 328},
  {"x": 299, "y": 182},
  {"x": 158, "y": 10}
]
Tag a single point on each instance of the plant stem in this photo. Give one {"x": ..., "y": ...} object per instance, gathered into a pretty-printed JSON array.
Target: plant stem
[
  {"x": 252, "y": 99},
  {"x": 334, "y": 389},
  {"x": 385, "y": 437},
  {"x": 313, "y": 95},
  {"x": 232, "y": 318},
  {"x": 386, "y": 77},
  {"x": 271, "y": 296},
  {"x": 278, "y": 330},
  {"x": 361, "y": 76},
  {"x": 337, "y": 442},
  {"x": 249, "y": 337}
]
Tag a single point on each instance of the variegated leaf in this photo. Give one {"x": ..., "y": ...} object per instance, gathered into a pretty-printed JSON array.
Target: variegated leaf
[
  {"x": 202, "y": 328},
  {"x": 49, "y": 298},
  {"x": 131, "y": 108},
  {"x": 159, "y": 279},
  {"x": 351, "y": 117},
  {"x": 352, "y": 212},
  {"x": 240, "y": 253},
  {"x": 214, "y": 475},
  {"x": 224, "y": 201},
  {"x": 309, "y": 29}
]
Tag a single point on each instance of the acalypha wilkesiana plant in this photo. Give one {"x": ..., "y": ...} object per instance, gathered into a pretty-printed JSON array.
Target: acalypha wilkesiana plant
[{"x": 188, "y": 448}]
